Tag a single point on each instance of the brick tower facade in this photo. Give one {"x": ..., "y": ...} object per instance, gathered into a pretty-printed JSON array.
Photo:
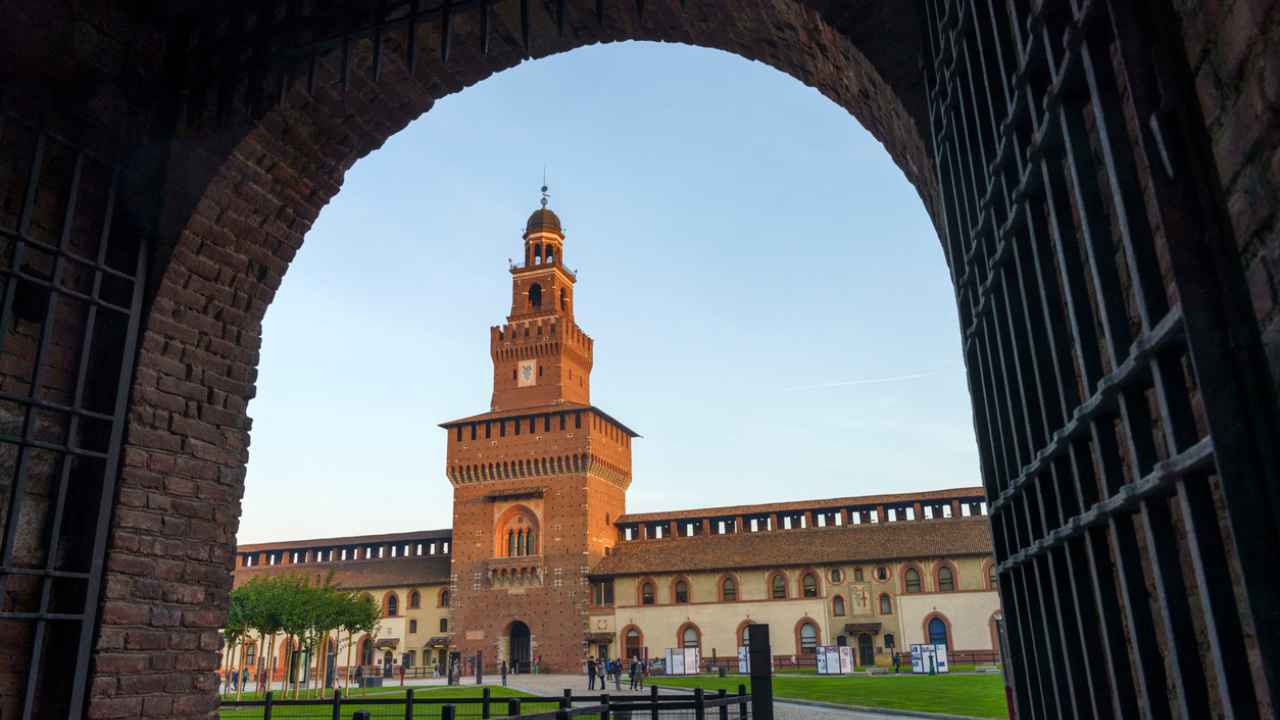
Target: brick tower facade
[{"x": 538, "y": 480}]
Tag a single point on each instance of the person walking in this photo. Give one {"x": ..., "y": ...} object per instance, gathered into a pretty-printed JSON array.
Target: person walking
[
  {"x": 591, "y": 674},
  {"x": 503, "y": 669},
  {"x": 897, "y": 662},
  {"x": 617, "y": 674}
]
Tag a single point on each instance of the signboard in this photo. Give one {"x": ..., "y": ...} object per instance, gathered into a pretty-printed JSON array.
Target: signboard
[
  {"x": 683, "y": 661},
  {"x": 744, "y": 660},
  {"x": 846, "y": 659},
  {"x": 527, "y": 374},
  {"x": 926, "y": 659},
  {"x": 692, "y": 661},
  {"x": 828, "y": 659}
]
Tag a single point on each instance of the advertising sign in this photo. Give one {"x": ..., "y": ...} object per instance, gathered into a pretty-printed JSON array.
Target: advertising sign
[
  {"x": 828, "y": 658},
  {"x": 692, "y": 661},
  {"x": 683, "y": 661},
  {"x": 744, "y": 661},
  {"x": 846, "y": 659},
  {"x": 929, "y": 658}
]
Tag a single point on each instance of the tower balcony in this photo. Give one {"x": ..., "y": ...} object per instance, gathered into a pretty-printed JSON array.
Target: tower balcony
[{"x": 514, "y": 572}]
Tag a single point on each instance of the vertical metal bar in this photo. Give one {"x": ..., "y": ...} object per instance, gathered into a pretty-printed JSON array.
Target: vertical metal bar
[
  {"x": 376, "y": 68},
  {"x": 411, "y": 38},
  {"x": 446, "y": 30},
  {"x": 524, "y": 25}
]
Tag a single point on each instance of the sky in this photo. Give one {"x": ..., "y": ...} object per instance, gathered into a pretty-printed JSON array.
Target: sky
[{"x": 769, "y": 301}]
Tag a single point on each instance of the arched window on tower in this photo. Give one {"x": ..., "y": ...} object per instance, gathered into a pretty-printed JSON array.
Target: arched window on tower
[
  {"x": 535, "y": 296},
  {"x": 551, "y": 254},
  {"x": 537, "y": 254}
]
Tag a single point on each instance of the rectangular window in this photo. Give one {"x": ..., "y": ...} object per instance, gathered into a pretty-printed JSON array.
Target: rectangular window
[
  {"x": 562, "y": 422},
  {"x": 473, "y": 431},
  {"x": 533, "y": 424},
  {"x": 344, "y": 553},
  {"x": 446, "y": 548},
  {"x": 856, "y": 517},
  {"x": 911, "y": 513},
  {"x": 875, "y": 516},
  {"x": 577, "y": 421},
  {"x": 786, "y": 522},
  {"x": 891, "y": 514},
  {"x": 839, "y": 519},
  {"x": 804, "y": 520},
  {"x": 432, "y": 549},
  {"x": 515, "y": 423},
  {"x": 488, "y": 430},
  {"x": 755, "y": 524},
  {"x": 720, "y": 527},
  {"x": 393, "y": 551},
  {"x": 688, "y": 530},
  {"x": 380, "y": 549},
  {"x": 546, "y": 423},
  {"x": 946, "y": 511},
  {"x": 928, "y": 512},
  {"x": 458, "y": 434},
  {"x": 626, "y": 533},
  {"x": 822, "y": 520},
  {"x": 502, "y": 428},
  {"x": 982, "y": 507}
]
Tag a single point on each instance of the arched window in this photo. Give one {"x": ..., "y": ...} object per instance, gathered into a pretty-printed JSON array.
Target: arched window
[
  {"x": 886, "y": 604},
  {"x": 808, "y": 639},
  {"x": 415, "y": 600},
  {"x": 633, "y": 644},
  {"x": 729, "y": 590},
  {"x": 946, "y": 579},
  {"x": 682, "y": 592},
  {"x": 778, "y": 587},
  {"x": 393, "y": 605},
  {"x": 535, "y": 296},
  {"x": 912, "y": 579},
  {"x": 537, "y": 254},
  {"x": 690, "y": 637},
  {"x": 646, "y": 594},
  {"x": 937, "y": 631},
  {"x": 517, "y": 532},
  {"x": 809, "y": 585},
  {"x": 746, "y": 634},
  {"x": 837, "y": 606},
  {"x": 882, "y": 573},
  {"x": 550, "y": 254},
  {"x": 444, "y": 598}
]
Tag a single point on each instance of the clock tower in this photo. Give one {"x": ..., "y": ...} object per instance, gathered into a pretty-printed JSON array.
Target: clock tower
[{"x": 538, "y": 479}]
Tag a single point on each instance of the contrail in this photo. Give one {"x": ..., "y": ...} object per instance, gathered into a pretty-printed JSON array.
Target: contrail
[{"x": 868, "y": 381}]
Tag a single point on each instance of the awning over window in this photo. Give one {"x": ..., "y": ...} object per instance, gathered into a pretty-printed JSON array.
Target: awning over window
[
  {"x": 386, "y": 643},
  {"x": 438, "y": 641},
  {"x": 600, "y": 637},
  {"x": 867, "y": 627}
]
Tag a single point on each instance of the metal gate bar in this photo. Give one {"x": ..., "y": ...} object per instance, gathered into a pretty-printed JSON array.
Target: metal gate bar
[
  {"x": 71, "y": 271},
  {"x": 1089, "y": 407}
]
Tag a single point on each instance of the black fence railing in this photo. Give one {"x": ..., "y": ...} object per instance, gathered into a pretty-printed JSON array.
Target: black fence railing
[{"x": 652, "y": 706}]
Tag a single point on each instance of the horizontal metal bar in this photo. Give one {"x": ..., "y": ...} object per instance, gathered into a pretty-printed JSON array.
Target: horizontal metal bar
[
  {"x": 1156, "y": 483},
  {"x": 57, "y": 407},
  {"x": 42, "y": 572},
  {"x": 12, "y": 234},
  {"x": 55, "y": 447},
  {"x": 81, "y": 617},
  {"x": 1168, "y": 330},
  {"x": 63, "y": 290}
]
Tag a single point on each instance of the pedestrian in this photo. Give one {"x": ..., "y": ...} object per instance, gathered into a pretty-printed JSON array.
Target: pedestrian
[
  {"x": 897, "y": 662},
  {"x": 401, "y": 674},
  {"x": 617, "y": 674},
  {"x": 591, "y": 674},
  {"x": 503, "y": 670},
  {"x": 359, "y": 676}
]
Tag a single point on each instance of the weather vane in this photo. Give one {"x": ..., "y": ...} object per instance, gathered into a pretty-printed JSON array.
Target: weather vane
[{"x": 545, "y": 196}]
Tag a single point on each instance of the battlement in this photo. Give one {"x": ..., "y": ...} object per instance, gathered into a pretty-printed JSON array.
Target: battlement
[{"x": 538, "y": 337}]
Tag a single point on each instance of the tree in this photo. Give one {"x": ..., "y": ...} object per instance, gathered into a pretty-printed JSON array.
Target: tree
[{"x": 234, "y": 633}]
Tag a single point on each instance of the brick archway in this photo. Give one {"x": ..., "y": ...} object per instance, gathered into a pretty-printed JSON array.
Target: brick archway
[{"x": 1189, "y": 202}]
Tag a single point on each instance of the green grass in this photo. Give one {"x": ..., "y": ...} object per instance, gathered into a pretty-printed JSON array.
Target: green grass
[
  {"x": 352, "y": 704},
  {"x": 973, "y": 695}
]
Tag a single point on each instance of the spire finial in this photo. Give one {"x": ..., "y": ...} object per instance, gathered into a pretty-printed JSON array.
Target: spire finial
[{"x": 545, "y": 195}]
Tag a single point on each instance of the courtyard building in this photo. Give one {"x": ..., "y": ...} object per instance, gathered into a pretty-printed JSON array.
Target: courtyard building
[{"x": 544, "y": 563}]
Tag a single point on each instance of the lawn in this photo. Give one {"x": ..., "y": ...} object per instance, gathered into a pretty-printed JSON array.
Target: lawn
[
  {"x": 355, "y": 703},
  {"x": 973, "y": 695}
]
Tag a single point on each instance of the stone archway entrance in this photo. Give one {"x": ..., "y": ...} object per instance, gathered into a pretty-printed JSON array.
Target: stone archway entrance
[
  {"x": 1113, "y": 346},
  {"x": 519, "y": 647}
]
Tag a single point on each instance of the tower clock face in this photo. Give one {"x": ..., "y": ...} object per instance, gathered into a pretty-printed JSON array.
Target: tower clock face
[{"x": 527, "y": 373}]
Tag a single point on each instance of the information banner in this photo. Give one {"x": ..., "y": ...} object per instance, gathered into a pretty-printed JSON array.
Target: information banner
[
  {"x": 927, "y": 659},
  {"x": 683, "y": 661},
  {"x": 744, "y": 660},
  {"x": 692, "y": 661},
  {"x": 846, "y": 659},
  {"x": 828, "y": 659}
]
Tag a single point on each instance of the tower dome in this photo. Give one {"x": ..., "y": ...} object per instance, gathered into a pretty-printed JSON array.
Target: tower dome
[{"x": 543, "y": 219}]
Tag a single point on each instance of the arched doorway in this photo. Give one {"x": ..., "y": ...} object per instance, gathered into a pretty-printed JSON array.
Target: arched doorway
[
  {"x": 388, "y": 659},
  {"x": 519, "y": 647},
  {"x": 866, "y": 651}
]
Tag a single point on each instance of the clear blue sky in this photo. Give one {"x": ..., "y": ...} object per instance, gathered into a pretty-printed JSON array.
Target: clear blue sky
[{"x": 769, "y": 301}]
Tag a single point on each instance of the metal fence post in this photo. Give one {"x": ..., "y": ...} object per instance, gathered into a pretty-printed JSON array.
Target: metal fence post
[
  {"x": 724, "y": 706},
  {"x": 566, "y": 702},
  {"x": 448, "y": 712},
  {"x": 484, "y": 705},
  {"x": 337, "y": 704},
  {"x": 604, "y": 700},
  {"x": 513, "y": 707},
  {"x": 653, "y": 702},
  {"x": 761, "y": 659},
  {"x": 742, "y": 703},
  {"x": 408, "y": 704},
  {"x": 266, "y": 709},
  {"x": 699, "y": 704}
]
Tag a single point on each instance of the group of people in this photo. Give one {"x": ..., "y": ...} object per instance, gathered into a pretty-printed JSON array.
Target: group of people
[
  {"x": 605, "y": 669},
  {"x": 237, "y": 679}
]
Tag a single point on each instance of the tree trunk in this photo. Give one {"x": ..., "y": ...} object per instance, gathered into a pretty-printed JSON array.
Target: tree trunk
[
  {"x": 240, "y": 664},
  {"x": 346, "y": 679}
]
